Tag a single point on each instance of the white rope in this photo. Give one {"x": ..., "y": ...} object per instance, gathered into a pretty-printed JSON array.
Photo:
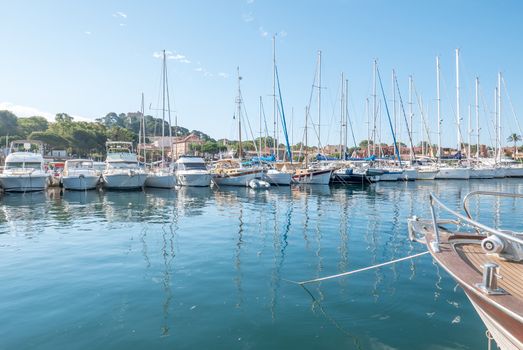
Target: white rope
[{"x": 363, "y": 269}]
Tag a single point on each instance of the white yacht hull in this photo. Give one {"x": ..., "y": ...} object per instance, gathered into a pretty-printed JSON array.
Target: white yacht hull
[
  {"x": 453, "y": 173},
  {"x": 279, "y": 178},
  {"x": 427, "y": 174},
  {"x": 499, "y": 173},
  {"x": 186, "y": 178},
  {"x": 481, "y": 173},
  {"x": 160, "y": 180},
  {"x": 80, "y": 182},
  {"x": 241, "y": 179},
  {"x": 514, "y": 172},
  {"x": 391, "y": 176},
  {"x": 24, "y": 183},
  {"x": 410, "y": 174},
  {"x": 316, "y": 177},
  {"x": 126, "y": 180}
]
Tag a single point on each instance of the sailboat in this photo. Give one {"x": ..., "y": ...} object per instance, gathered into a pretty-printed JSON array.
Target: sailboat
[
  {"x": 24, "y": 168},
  {"x": 231, "y": 172},
  {"x": 454, "y": 172},
  {"x": 315, "y": 174},
  {"x": 162, "y": 175}
]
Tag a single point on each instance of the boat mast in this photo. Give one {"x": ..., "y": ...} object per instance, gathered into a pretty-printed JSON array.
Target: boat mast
[
  {"x": 174, "y": 151},
  {"x": 411, "y": 116},
  {"x": 438, "y": 100},
  {"x": 342, "y": 120},
  {"x": 469, "y": 132},
  {"x": 239, "y": 102},
  {"x": 142, "y": 129},
  {"x": 394, "y": 103},
  {"x": 458, "y": 115},
  {"x": 261, "y": 129},
  {"x": 374, "y": 108},
  {"x": 367, "y": 109},
  {"x": 274, "y": 102},
  {"x": 477, "y": 118},
  {"x": 306, "y": 131},
  {"x": 163, "y": 108},
  {"x": 499, "y": 117},
  {"x": 319, "y": 100}
]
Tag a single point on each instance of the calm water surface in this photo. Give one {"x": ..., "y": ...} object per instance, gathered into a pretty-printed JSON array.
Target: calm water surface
[{"x": 208, "y": 269}]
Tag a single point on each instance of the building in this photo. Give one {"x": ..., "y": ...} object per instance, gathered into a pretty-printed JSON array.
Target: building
[{"x": 180, "y": 145}]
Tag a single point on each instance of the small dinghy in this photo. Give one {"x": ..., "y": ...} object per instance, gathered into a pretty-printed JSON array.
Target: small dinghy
[{"x": 257, "y": 183}]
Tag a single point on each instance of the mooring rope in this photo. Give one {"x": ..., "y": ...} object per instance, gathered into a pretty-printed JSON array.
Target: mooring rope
[{"x": 360, "y": 270}]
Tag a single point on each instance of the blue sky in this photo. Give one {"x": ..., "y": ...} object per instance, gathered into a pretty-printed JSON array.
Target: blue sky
[{"x": 93, "y": 57}]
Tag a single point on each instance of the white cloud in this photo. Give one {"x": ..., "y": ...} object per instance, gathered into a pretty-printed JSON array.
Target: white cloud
[
  {"x": 120, "y": 14},
  {"x": 87, "y": 32},
  {"x": 263, "y": 32},
  {"x": 223, "y": 75},
  {"x": 282, "y": 33},
  {"x": 199, "y": 69},
  {"x": 172, "y": 56},
  {"x": 247, "y": 17},
  {"x": 122, "y": 24},
  {"x": 27, "y": 111},
  {"x": 250, "y": 2}
]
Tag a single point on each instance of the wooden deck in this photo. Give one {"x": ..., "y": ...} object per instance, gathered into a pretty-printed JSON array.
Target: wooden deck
[{"x": 511, "y": 272}]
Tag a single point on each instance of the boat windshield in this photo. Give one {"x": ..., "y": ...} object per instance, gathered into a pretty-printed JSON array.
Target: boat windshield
[
  {"x": 122, "y": 165},
  {"x": 81, "y": 165},
  {"x": 21, "y": 165},
  {"x": 191, "y": 166}
]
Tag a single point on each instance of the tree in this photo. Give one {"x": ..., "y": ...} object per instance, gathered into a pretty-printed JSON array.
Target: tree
[
  {"x": 365, "y": 143},
  {"x": 118, "y": 133},
  {"x": 8, "y": 123},
  {"x": 51, "y": 139},
  {"x": 514, "y": 138},
  {"x": 27, "y": 125}
]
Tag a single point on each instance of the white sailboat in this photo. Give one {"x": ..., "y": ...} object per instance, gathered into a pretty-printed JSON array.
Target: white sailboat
[
  {"x": 80, "y": 175},
  {"x": 162, "y": 175},
  {"x": 24, "y": 168},
  {"x": 122, "y": 170}
]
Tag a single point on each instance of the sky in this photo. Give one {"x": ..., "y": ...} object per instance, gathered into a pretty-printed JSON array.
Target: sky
[{"x": 89, "y": 58}]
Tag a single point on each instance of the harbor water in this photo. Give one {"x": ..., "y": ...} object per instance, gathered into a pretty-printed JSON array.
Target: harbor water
[{"x": 198, "y": 268}]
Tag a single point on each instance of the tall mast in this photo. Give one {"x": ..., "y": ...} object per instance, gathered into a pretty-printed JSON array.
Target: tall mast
[
  {"x": 342, "y": 120},
  {"x": 274, "y": 102},
  {"x": 142, "y": 129},
  {"x": 239, "y": 102},
  {"x": 438, "y": 100},
  {"x": 347, "y": 120},
  {"x": 306, "y": 131},
  {"x": 174, "y": 152},
  {"x": 367, "y": 108},
  {"x": 458, "y": 115},
  {"x": 319, "y": 100},
  {"x": 477, "y": 118},
  {"x": 163, "y": 108},
  {"x": 394, "y": 104},
  {"x": 469, "y": 132},
  {"x": 499, "y": 117},
  {"x": 411, "y": 115},
  {"x": 496, "y": 123},
  {"x": 261, "y": 129},
  {"x": 374, "y": 109}
]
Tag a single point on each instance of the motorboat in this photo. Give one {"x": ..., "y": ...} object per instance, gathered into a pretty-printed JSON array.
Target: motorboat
[
  {"x": 192, "y": 171},
  {"x": 79, "y": 174},
  {"x": 487, "y": 262},
  {"x": 122, "y": 170},
  {"x": 24, "y": 169}
]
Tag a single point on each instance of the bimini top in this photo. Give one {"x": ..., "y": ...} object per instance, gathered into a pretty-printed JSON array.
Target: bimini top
[{"x": 24, "y": 157}]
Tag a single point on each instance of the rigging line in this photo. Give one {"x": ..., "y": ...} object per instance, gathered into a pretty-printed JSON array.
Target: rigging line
[
  {"x": 486, "y": 112},
  {"x": 425, "y": 126},
  {"x": 405, "y": 117},
  {"x": 388, "y": 115},
  {"x": 349, "y": 119},
  {"x": 282, "y": 115},
  {"x": 248, "y": 123},
  {"x": 511, "y": 105},
  {"x": 362, "y": 269}
]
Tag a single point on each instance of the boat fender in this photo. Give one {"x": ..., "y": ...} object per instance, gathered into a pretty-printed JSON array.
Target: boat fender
[
  {"x": 492, "y": 245},
  {"x": 81, "y": 176},
  {"x": 131, "y": 172}
]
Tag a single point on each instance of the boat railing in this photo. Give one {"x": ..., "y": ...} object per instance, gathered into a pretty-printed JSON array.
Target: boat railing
[{"x": 434, "y": 200}]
